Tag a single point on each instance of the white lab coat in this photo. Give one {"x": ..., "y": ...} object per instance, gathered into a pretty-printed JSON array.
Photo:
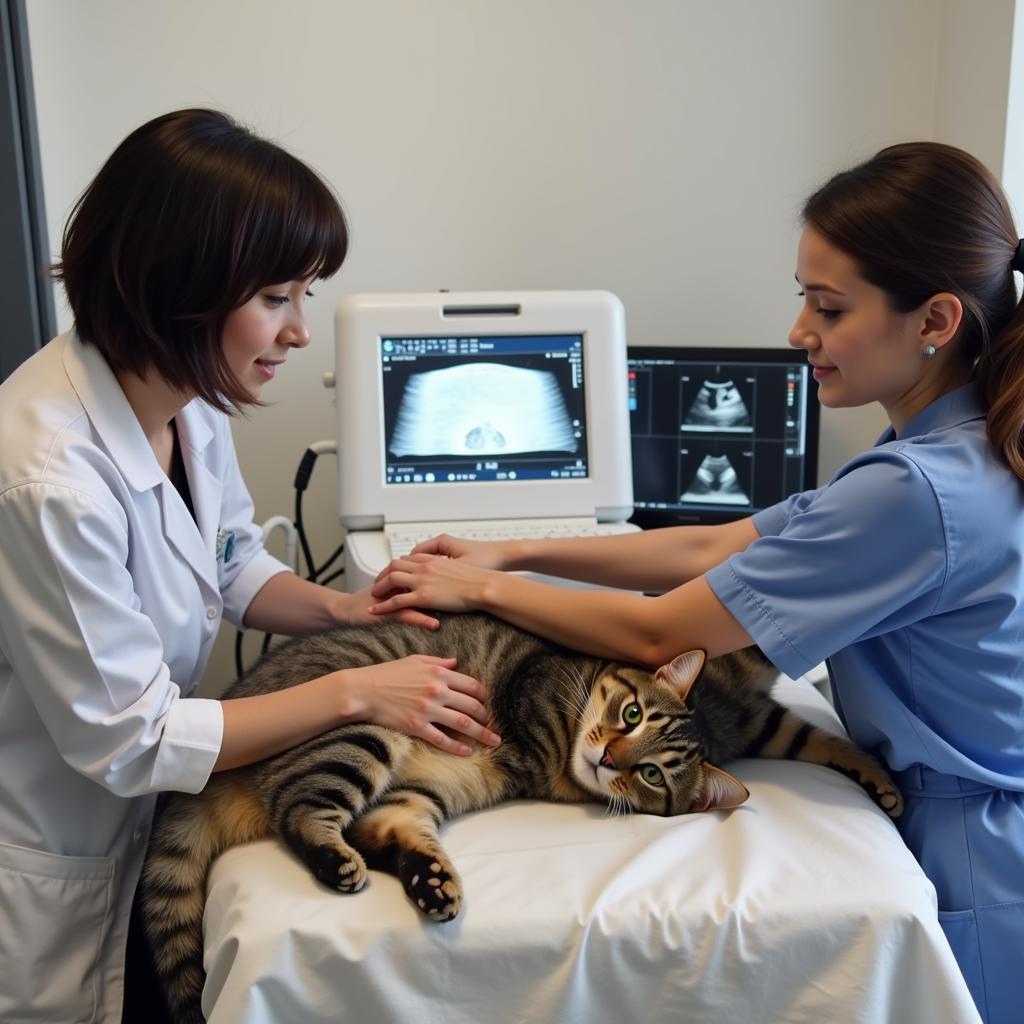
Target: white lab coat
[{"x": 110, "y": 599}]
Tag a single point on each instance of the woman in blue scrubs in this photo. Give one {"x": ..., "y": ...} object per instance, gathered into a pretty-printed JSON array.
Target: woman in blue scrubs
[{"x": 905, "y": 572}]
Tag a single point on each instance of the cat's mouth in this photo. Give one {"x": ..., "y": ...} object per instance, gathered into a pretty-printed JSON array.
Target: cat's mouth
[
  {"x": 586, "y": 764},
  {"x": 594, "y": 766}
]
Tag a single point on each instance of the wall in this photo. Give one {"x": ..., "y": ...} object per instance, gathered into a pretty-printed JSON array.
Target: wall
[
  {"x": 660, "y": 150},
  {"x": 1013, "y": 151},
  {"x": 972, "y": 77}
]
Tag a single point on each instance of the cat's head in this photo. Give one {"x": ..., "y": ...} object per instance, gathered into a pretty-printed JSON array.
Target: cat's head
[{"x": 638, "y": 740}]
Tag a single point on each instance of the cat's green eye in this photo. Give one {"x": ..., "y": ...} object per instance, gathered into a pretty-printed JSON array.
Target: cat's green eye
[
  {"x": 652, "y": 775},
  {"x": 632, "y": 714}
]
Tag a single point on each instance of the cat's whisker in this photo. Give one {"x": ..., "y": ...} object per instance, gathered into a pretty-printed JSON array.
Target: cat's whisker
[
  {"x": 571, "y": 675},
  {"x": 618, "y": 806},
  {"x": 571, "y": 708},
  {"x": 575, "y": 678},
  {"x": 568, "y": 685},
  {"x": 584, "y": 687},
  {"x": 580, "y": 689},
  {"x": 570, "y": 700},
  {"x": 574, "y": 698}
]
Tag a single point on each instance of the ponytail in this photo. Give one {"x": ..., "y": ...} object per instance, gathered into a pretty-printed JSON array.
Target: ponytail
[{"x": 1000, "y": 375}]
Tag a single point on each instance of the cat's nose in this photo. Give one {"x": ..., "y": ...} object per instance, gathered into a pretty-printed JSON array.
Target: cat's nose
[{"x": 607, "y": 761}]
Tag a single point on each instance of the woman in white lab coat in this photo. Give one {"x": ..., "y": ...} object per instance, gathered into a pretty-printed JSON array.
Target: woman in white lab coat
[{"x": 126, "y": 533}]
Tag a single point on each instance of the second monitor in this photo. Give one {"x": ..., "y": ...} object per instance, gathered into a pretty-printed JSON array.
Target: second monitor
[{"x": 718, "y": 434}]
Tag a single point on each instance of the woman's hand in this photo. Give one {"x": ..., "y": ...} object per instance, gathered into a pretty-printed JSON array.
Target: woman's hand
[
  {"x": 357, "y": 611},
  {"x": 485, "y": 554},
  {"x": 417, "y": 694},
  {"x": 429, "y": 581}
]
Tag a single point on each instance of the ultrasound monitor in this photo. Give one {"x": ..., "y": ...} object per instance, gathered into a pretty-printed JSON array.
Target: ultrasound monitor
[
  {"x": 719, "y": 433},
  {"x": 481, "y": 406}
]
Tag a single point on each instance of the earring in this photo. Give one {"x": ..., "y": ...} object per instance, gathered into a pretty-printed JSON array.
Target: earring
[{"x": 928, "y": 351}]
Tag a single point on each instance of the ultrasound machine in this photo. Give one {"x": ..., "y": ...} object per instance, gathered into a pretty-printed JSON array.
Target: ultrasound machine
[
  {"x": 490, "y": 415},
  {"x": 525, "y": 414}
]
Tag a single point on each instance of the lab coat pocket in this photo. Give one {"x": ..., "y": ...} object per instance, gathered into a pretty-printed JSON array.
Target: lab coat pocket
[
  {"x": 961, "y": 928},
  {"x": 54, "y": 912}
]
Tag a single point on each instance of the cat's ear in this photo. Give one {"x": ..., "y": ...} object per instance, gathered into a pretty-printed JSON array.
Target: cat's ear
[
  {"x": 682, "y": 672},
  {"x": 719, "y": 791}
]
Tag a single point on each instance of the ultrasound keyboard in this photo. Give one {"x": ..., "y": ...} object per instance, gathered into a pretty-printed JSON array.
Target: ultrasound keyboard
[{"x": 403, "y": 537}]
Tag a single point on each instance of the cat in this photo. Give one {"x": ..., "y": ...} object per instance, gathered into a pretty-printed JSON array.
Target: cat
[{"x": 574, "y": 728}]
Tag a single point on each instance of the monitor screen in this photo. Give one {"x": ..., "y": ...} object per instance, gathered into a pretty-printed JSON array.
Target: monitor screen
[
  {"x": 497, "y": 408},
  {"x": 719, "y": 433}
]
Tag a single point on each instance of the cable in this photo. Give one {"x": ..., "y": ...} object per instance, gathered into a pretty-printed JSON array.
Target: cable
[
  {"x": 296, "y": 531},
  {"x": 333, "y": 576},
  {"x": 338, "y": 552},
  {"x": 302, "y": 475}
]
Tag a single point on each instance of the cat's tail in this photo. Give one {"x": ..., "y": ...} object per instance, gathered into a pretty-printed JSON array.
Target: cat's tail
[{"x": 190, "y": 832}]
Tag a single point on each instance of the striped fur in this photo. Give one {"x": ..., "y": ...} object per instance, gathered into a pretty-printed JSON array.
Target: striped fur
[{"x": 574, "y": 728}]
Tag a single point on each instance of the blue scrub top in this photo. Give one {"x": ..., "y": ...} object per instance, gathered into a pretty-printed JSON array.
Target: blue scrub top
[{"x": 906, "y": 571}]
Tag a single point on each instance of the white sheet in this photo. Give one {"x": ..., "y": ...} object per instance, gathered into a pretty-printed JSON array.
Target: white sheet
[{"x": 801, "y": 906}]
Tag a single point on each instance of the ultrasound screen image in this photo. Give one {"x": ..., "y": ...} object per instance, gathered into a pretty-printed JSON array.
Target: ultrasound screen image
[
  {"x": 716, "y": 482},
  {"x": 489, "y": 409},
  {"x": 483, "y": 408},
  {"x": 719, "y": 406}
]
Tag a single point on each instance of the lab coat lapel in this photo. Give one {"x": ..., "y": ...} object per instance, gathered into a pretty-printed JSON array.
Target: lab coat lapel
[
  {"x": 194, "y": 436},
  {"x": 182, "y": 534},
  {"x": 115, "y": 423}
]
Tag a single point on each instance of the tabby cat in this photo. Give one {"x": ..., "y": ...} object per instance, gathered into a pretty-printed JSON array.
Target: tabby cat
[{"x": 574, "y": 728}]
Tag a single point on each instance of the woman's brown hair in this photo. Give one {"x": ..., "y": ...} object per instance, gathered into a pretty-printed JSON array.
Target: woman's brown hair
[
  {"x": 922, "y": 218},
  {"x": 189, "y": 217}
]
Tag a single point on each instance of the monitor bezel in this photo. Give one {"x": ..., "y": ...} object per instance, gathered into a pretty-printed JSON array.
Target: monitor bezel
[{"x": 650, "y": 518}]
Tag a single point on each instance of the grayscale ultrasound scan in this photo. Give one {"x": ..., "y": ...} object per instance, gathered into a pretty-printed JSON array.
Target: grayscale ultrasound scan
[
  {"x": 716, "y": 481},
  {"x": 718, "y": 406},
  {"x": 482, "y": 409}
]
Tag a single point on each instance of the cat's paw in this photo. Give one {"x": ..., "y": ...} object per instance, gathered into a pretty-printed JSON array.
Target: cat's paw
[
  {"x": 875, "y": 781},
  {"x": 339, "y": 867},
  {"x": 431, "y": 883}
]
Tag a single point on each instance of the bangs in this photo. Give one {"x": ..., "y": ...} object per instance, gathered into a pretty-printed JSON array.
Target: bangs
[{"x": 293, "y": 228}]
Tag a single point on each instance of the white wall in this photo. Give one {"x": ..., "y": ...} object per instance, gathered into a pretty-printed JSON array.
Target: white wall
[
  {"x": 972, "y": 77},
  {"x": 1013, "y": 151},
  {"x": 657, "y": 149}
]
